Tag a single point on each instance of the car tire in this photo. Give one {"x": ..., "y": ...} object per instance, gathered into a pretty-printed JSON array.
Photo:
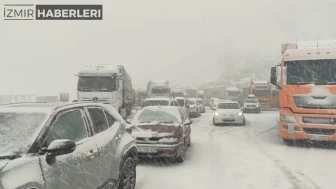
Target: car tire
[
  {"x": 128, "y": 174},
  {"x": 189, "y": 142},
  {"x": 215, "y": 124},
  {"x": 181, "y": 158},
  {"x": 243, "y": 123}
]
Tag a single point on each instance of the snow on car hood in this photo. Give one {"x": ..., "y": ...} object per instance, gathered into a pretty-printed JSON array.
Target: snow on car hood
[
  {"x": 3, "y": 163},
  {"x": 154, "y": 130},
  {"x": 228, "y": 111}
]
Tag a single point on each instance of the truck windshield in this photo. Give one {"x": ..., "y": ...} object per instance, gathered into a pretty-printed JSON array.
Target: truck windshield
[
  {"x": 142, "y": 93},
  {"x": 96, "y": 84},
  {"x": 261, "y": 93},
  {"x": 160, "y": 91},
  {"x": 319, "y": 72},
  {"x": 178, "y": 94}
]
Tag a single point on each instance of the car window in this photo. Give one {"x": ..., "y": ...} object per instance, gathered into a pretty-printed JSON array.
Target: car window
[
  {"x": 176, "y": 103},
  {"x": 69, "y": 125},
  {"x": 110, "y": 118},
  {"x": 98, "y": 120}
]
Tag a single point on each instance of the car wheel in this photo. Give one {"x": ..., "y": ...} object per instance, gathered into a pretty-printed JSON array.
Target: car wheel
[
  {"x": 244, "y": 123},
  {"x": 189, "y": 142},
  {"x": 213, "y": 120},
  {"x": 180, "y": 158},
  {"x": 128, "y": 174}
]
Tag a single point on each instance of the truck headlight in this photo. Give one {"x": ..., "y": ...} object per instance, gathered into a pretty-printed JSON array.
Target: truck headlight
[
  {"x": 216, "y": 113},
  {"x": 287, "y": 118}
]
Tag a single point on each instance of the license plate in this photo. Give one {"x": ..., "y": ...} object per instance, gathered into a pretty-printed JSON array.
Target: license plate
[
  {"x": 228, "y": 119},
  {"x": 147, "y": 149},
  {"x": 319, "y": 138}
]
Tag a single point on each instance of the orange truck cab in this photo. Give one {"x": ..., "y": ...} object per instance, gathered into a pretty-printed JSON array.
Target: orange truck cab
[{"x": 306, "y": 78}]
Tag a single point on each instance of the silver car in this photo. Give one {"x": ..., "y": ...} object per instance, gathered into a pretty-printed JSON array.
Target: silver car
[{"x": 45, "y": 145}]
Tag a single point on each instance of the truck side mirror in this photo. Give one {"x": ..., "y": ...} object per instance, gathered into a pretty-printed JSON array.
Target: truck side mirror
[{"x": 274, "y": 76}]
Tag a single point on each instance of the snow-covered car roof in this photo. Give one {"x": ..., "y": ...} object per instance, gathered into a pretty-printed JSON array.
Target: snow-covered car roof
[
  {"x": 158, "y": 98},
  {"x": 174, "y": 110},
  {"x": 227, "y": 101},
  {"x": 310, "y": 54},
  {"x": 180, "y": 98}
]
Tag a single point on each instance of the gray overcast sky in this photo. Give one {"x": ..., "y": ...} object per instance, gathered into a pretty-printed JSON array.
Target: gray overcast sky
[{"x": 177, "y": 40}]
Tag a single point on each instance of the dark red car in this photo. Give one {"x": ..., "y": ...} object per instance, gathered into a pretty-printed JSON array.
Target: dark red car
[{"x": 162, "y": 131}]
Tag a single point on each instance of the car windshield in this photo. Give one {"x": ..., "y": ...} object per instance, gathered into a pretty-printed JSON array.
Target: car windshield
[
  {"x": 155, "y": 103},
  {"x": 228, "y": 106},
  {"x": 180, "y": 102},
  {"x": 251, "y": 101},
  {"x": 318, "y": 72},
  {"x": 16, "y": 129},
  {"x": 147, "y": 116},
  {"x": 96, "y": 84}
]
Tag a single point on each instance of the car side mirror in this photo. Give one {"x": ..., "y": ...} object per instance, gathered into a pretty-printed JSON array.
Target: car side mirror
[
  {"x": 129, "y": 128},
  {"x": 59, "y": 147},
  {"x": 128, "y": 120},
  {"x": 188, "y": 122}
]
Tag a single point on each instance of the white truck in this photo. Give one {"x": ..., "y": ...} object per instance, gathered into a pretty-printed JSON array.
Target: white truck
[
  {"x": 158, "y": 88},
  {"x": 108, "y": 84}
]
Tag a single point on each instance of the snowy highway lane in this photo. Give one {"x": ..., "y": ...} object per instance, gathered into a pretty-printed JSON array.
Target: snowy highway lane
[{"x": 242, "y": 157}]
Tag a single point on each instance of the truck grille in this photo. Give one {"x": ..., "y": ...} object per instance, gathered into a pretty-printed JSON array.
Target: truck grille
[
  {"x": 315, "y": 120},
  {"x": 315, "y": 102},
  {"x": 319, "y": 131}
]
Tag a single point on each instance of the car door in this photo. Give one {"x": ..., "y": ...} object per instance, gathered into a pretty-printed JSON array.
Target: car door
[
  {"x": 106, "y": 134},
  {"x": 79, "y": 168}
]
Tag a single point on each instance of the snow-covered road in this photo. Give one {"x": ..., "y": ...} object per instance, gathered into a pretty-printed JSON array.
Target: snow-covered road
[{"x": 251, "y": 156}]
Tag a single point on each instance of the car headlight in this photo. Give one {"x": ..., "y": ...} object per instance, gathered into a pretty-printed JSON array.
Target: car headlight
[
  {"x": 257, "y": 105},
  {"x": 287, "y": 118},
  {"x": 216, "y": 113},
  {"x": 240, "y": 113}
]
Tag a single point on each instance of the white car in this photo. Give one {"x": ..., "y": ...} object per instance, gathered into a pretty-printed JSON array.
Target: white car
[
  {"x": 183, "y": 103},
  {"x": 201, "y": 104},
  {"x": 213, "y": 103},
  {"x": 194, "y": 109},
  {"x": 228, "y": 112}
]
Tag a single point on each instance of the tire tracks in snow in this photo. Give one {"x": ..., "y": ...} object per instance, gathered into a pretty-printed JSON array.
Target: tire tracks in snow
[{"x": 296, "y": 178}]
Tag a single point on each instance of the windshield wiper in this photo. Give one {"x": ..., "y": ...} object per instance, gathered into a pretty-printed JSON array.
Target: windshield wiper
[
  {"x": 10, "y": 157},
  {"x": 303, "y": 83},
  {"x": 166, "y": 122},
  {"x": 331, "y": 83}
]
